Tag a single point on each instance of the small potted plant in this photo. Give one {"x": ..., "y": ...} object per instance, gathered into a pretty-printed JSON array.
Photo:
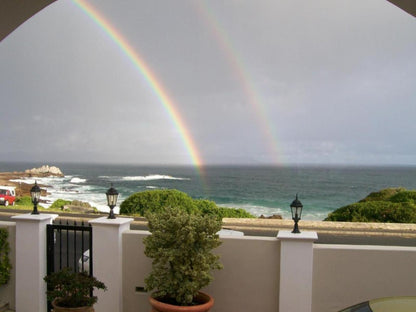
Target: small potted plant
[
  {"x": 181, "y": 245},
  {"x": 70, "y": 291}
]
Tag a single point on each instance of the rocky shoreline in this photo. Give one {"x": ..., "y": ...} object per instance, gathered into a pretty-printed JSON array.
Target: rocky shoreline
[{"x": 23, "y": 189}]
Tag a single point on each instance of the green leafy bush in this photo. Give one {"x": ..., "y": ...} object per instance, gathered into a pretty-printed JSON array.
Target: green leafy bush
[
  {"x": 181, "y": 247},
  {"x": 395, "y": 205},
  {"x": 60, "y": 203},
  {"x": 383, "y": 195},
  {"x": 404, "y": 197},
  {"x": 72, "y": 289},
  {"x": 153, "y": 201},
  {"x": 234, "y": 213},
  {"x": 5, "y": 265}
]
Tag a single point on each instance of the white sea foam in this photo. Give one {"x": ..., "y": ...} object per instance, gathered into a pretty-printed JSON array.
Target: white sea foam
[
  {"x": 25, "y": 181},
  {"x": 69, "y": 188},
  {"x": 78, "y": 180},
  {"x": 152, "y": 177}
]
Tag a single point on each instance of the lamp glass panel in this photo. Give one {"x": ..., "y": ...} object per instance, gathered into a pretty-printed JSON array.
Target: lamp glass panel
[
  {"x": 35, "y": 193},
  {"x": 296, "y": 210},
  {"x": 112, "y": 199},
  {"x": 35, "y": 196},
  {"x": 299, "y": 211}
]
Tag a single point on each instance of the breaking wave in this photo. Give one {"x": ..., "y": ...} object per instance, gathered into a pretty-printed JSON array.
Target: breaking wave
[
  {"x": 152, "y": 178},
  {"x": 78, "y": 180}
]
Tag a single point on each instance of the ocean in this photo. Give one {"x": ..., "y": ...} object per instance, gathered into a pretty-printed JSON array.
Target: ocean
[{"x": 260, "y": 190}]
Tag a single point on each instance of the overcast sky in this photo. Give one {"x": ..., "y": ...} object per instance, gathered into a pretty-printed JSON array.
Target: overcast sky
[{"x": 255, "y": 82}]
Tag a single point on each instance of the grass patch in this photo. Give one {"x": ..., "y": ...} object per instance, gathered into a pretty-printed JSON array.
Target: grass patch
[{"x": 25, "y": 203}]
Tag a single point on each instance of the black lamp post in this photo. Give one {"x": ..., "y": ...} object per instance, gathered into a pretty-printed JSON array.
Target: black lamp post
[
  {"x": 35, "y": 194},
  {"x": 112, "y": 195},
  {"x": 296, "y": 207}
]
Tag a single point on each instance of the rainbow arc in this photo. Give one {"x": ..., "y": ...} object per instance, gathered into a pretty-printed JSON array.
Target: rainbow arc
[
  {"x": 246, "y": 82},
  {"x": 155, "y": 85}
]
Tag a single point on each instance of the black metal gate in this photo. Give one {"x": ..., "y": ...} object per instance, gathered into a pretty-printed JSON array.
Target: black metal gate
[{"x": 69, "y": 245}]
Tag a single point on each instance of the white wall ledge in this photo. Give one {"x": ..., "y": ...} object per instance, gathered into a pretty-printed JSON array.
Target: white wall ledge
[
  {"x": 106, "y": 221},
  {"x": 35, "y": 217},
  {"x": 288, "y": 235}
]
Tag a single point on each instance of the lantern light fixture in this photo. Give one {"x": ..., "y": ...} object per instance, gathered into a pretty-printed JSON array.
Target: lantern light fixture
[
  {"x": 35, "y": 195},
  {"x": 112, "y": 196},
  {"x": 296, "y": 208}
]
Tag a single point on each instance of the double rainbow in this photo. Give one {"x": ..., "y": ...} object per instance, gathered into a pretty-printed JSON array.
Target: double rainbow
[
  {"x": 150, "y": 78},
  {"x": 236, "y": 64}
]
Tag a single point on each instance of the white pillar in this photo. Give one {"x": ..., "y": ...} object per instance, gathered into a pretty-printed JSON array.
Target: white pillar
[
  {"x": 107, "y": 261},
  {"x": 31, "y": 261},
  {"x": 296, "y": 266}
]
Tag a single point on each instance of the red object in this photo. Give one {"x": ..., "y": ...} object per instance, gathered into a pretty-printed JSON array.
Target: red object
[{"x": 7, "y": 196}]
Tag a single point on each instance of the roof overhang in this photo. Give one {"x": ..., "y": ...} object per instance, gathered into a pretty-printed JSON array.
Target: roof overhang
[
  {"x": 407, "y": 5},
  {"x": 13, "y": 13}
]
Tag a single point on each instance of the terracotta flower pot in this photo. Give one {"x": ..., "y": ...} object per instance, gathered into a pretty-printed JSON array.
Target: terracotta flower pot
[
  {"x": 57, "y": 308},
  {"x": 206, "y": 304}
]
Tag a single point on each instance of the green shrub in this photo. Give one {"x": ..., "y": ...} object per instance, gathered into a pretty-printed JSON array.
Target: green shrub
[
  {"x": 155, "y": 200},
  {"x": 60, "y": 203},
  {"x": 207, "y": 207},
  {"x": 234, "y": 213},
  {"x": 5, "y": 265},
  {"x": 390, "y": 205},
  {"x": 375, "y": 212},
  {"x": 404, "y": 197},
  {"x": 383, "y": 195},
  {"x": 181, "y": 246},
  {"x": 72, "y": 289}
]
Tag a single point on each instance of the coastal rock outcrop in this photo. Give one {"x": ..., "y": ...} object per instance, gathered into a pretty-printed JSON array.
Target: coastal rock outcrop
[
  {"x": 45, "y": 170},
  {"x": 23, "y": 189}
]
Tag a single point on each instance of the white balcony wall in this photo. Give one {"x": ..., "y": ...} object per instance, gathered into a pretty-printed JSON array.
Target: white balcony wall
[
  {"x": 345, "y": 275},
  {"x": 249, "y": 281}
]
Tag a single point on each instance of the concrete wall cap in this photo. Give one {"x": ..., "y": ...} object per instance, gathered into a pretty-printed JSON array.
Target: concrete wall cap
[
  {"x": 115, "y": 222},
  {"x": 33, "y": 217},
  {"x": 288, "y": 235}
]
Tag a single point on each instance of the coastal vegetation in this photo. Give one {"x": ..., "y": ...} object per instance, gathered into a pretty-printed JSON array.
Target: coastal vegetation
[
  {"x": 140, "y": 203},
  {"x": 59, "y": 205},
  {"x": 5, "y": 264},
  {"x": 154, "y": 201},
  {"x": 25, "y": 203},
  {"x": 395, "y": 205}
]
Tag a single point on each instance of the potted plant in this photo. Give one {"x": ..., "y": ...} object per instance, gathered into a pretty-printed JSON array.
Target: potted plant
[
  {"x": 181, "y": 245},
  {"x": 71, "y": 291}
]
